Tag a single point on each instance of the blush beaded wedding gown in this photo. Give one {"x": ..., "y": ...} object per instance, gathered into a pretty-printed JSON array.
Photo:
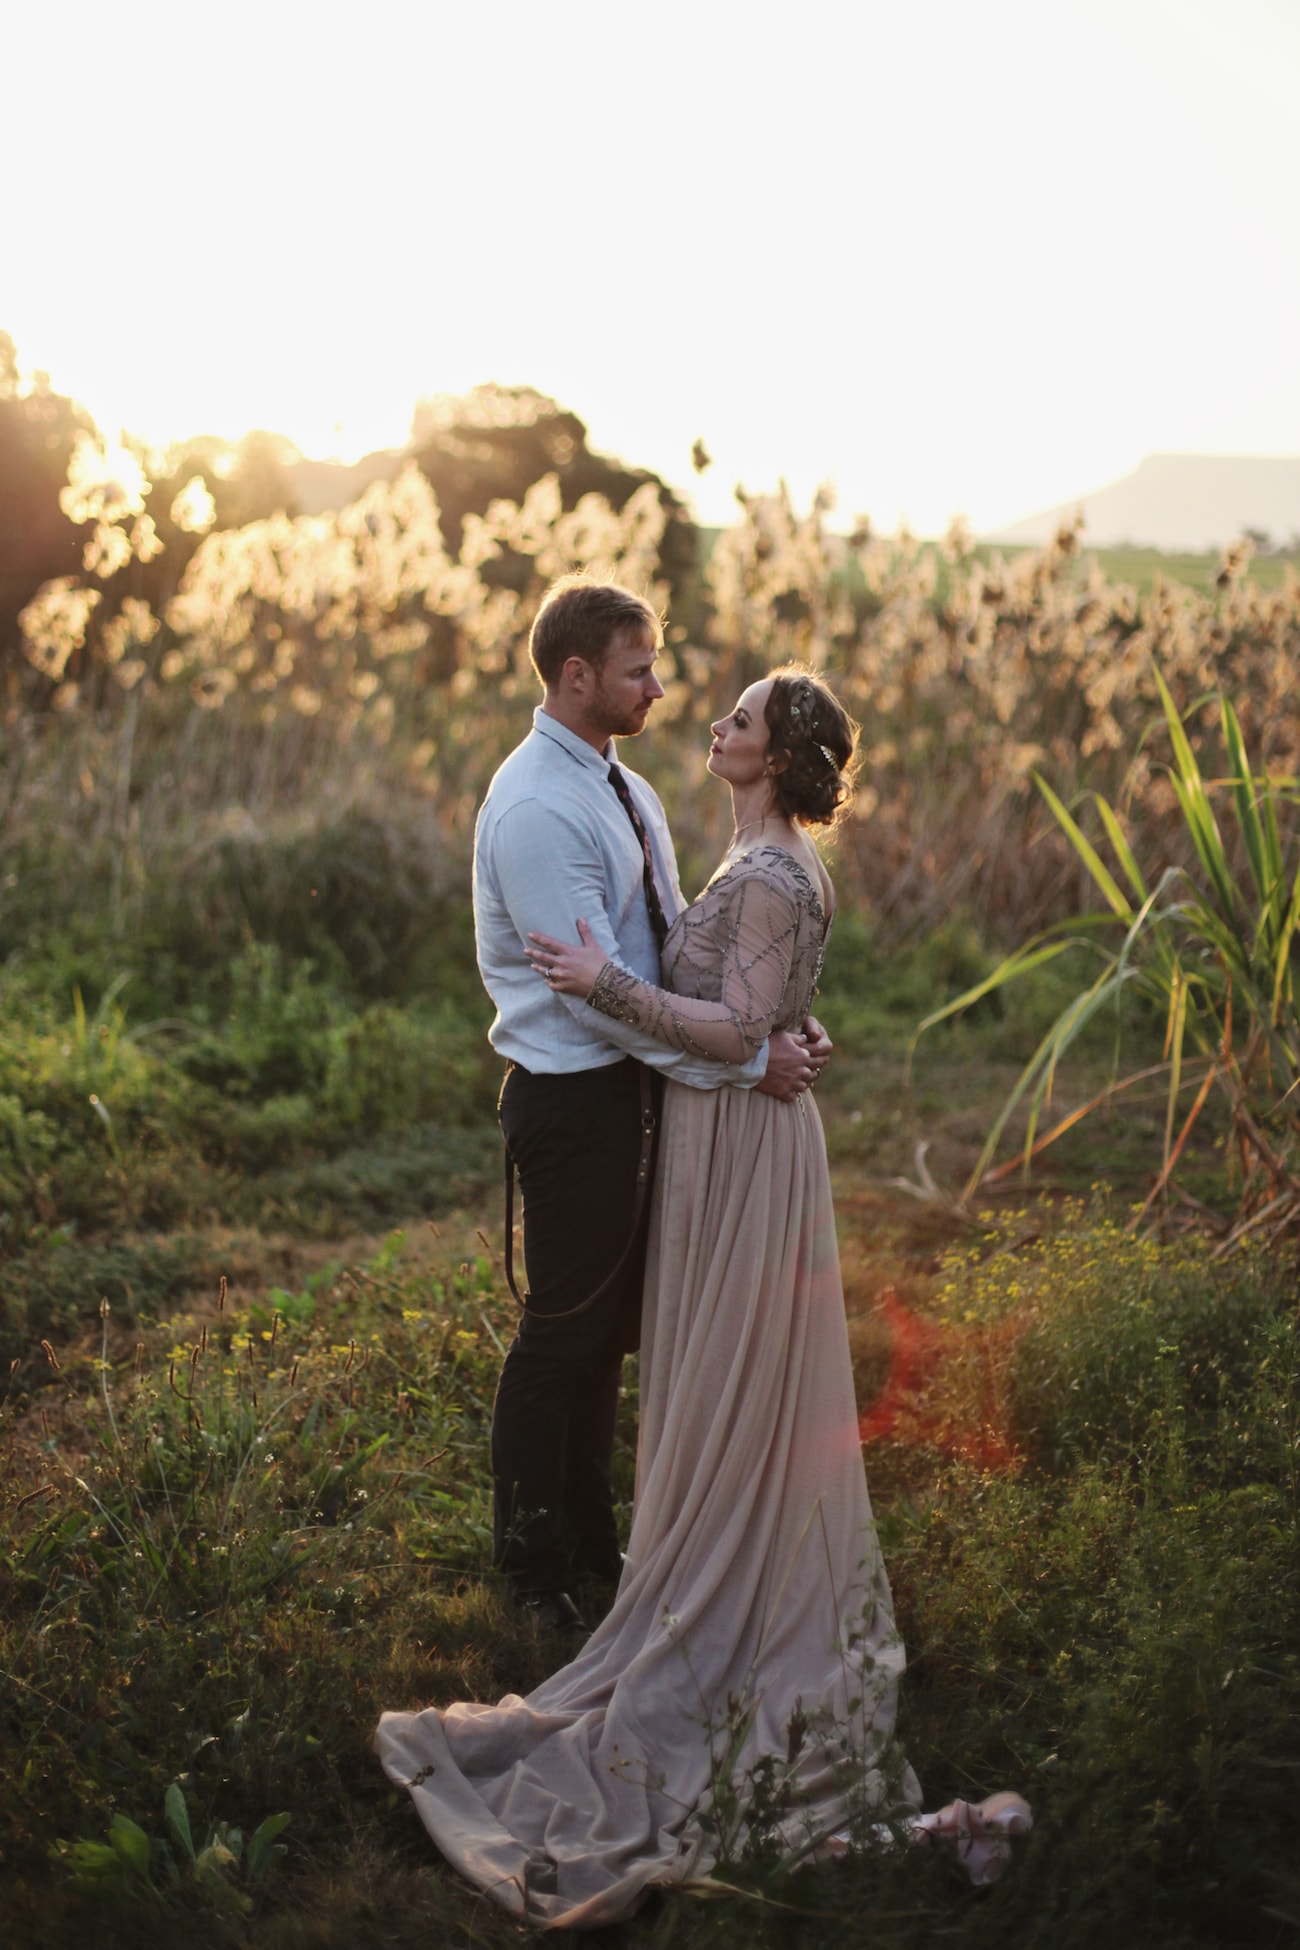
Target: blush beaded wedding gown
[{"x": 753, "y": 1627}]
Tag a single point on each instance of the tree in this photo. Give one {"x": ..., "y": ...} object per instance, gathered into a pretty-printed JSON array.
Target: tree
[
  {"x": 497, "y": 440},
  {"x": 38, "y": 429}
]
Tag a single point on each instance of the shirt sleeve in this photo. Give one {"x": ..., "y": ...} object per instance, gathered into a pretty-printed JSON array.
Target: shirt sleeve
[
  {"x": 761, "y": 921},
  {"x": 549, "y": 870}
]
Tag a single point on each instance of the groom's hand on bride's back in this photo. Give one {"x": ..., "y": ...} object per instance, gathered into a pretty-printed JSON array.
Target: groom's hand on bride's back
[{"x": 795, "y": 1060}]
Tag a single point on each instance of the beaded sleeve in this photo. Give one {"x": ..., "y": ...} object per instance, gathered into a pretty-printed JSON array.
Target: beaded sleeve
[{"x": 754, "y": 934}]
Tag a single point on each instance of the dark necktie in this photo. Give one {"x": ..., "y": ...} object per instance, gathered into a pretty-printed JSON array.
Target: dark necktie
[{"x": 652, "y": 900}]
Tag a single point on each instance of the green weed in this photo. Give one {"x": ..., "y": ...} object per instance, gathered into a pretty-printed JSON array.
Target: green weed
[
  {"x": 223, "y": 1557},
  {"x": 133, "y": 1864},
  {"x": 279, "y": 1100}
]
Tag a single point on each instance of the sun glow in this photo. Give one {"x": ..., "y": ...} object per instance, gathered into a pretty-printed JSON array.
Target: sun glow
[{"x": 901, "y": 250}]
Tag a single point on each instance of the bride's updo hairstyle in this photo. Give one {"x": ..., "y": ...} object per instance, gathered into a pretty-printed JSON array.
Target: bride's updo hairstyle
[{"x": 809, "y": 727}]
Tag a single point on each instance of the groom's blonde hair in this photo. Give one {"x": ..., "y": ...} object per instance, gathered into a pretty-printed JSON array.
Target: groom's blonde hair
[{"x": 581, "y": 618}]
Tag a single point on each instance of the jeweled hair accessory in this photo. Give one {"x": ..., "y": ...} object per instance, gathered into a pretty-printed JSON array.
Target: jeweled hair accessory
[
  {"x": 801, "y": 698},
  {"x": 802, "y": 704}
]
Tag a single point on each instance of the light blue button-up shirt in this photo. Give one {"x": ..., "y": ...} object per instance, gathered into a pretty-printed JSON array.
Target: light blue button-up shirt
[{"x": 554, "y": 843}]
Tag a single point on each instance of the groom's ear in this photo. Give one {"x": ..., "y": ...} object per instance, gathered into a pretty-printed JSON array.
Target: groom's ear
[{"x": 578, "y": 674}]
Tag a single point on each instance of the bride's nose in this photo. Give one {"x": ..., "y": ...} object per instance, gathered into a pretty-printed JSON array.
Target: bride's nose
[{"x": 715, "y": 730}]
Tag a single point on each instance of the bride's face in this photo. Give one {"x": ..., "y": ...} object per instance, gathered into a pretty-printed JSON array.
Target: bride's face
[{"x": 738, "y": 753}]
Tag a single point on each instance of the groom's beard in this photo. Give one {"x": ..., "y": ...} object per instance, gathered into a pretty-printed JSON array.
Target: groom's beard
[{"x": 618, "y": 719}]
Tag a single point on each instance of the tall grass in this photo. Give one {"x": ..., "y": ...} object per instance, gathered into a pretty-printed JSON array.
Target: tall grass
[
  {"x": 1211, "y": 947},
  {"x": 352, "y": 661}
]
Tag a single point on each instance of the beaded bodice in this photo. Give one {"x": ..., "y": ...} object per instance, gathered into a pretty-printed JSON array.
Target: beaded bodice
[{"x": 740, "y": 961}]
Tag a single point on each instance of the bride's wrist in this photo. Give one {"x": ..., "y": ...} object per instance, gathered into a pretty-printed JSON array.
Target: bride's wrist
[
  {"x": 606, "y": 969},
  {"x": 611, "y": 993}
]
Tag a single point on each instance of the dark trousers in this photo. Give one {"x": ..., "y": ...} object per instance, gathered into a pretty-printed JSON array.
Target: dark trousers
[{"x": 575, "y": 1141}]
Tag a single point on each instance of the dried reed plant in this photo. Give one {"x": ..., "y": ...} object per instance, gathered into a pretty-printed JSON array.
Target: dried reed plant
[{"x": 350, "y": 657}]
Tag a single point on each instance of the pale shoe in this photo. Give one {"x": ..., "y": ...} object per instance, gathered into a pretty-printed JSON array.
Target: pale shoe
[{"x": 977, "y": 1831}]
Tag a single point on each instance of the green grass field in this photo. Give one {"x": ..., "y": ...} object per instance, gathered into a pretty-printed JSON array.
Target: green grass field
[
  {"x": 239, "y": 1524},
  {"x": 1141, "y": 566}
]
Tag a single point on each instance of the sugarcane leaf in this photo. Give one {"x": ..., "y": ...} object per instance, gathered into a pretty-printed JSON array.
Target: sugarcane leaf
[
  {"x": 1086, "y": 851},
  {"x": 1202, "y": 824},
  {"x": 1243, "y": 793},
  {"x": 1175, "y": 1031},
  {"x": 1206, "y": 838},
  {"x": 1282, "y": 985},
  {"x": 1007, "y": 970},
  {"x": 1035, "y": 1072},
  {"x": 1123, "y": 850}
]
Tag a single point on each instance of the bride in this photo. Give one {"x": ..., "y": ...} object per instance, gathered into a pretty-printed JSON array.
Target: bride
[{"x": 750, "y": 1661}]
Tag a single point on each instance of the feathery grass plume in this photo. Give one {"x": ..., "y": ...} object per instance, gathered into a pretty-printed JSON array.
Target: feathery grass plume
[{"x": 353, "y": 657}]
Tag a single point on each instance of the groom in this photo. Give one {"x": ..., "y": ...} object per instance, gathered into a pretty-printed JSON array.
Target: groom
[{"x": 565, "y": 831}]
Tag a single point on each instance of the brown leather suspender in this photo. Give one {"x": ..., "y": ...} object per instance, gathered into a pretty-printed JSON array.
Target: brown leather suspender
[{"x": 643, "y": 1169}]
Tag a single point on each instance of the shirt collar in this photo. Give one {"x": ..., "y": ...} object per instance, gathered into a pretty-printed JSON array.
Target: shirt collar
[{"x": 570, "y": 742}]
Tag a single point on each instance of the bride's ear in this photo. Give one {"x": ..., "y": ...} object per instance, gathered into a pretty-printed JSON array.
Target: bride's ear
[{"x": 777, "y": 761}]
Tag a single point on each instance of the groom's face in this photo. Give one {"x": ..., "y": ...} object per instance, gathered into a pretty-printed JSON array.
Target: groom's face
[{"x": 625, "y": 685}]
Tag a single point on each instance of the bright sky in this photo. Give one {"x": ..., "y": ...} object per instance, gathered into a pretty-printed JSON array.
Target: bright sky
[{"x": 952, "y": 257}]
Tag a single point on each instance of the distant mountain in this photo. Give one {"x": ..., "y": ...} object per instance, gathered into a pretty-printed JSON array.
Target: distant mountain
[{"x": 1184, "y": 503}]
